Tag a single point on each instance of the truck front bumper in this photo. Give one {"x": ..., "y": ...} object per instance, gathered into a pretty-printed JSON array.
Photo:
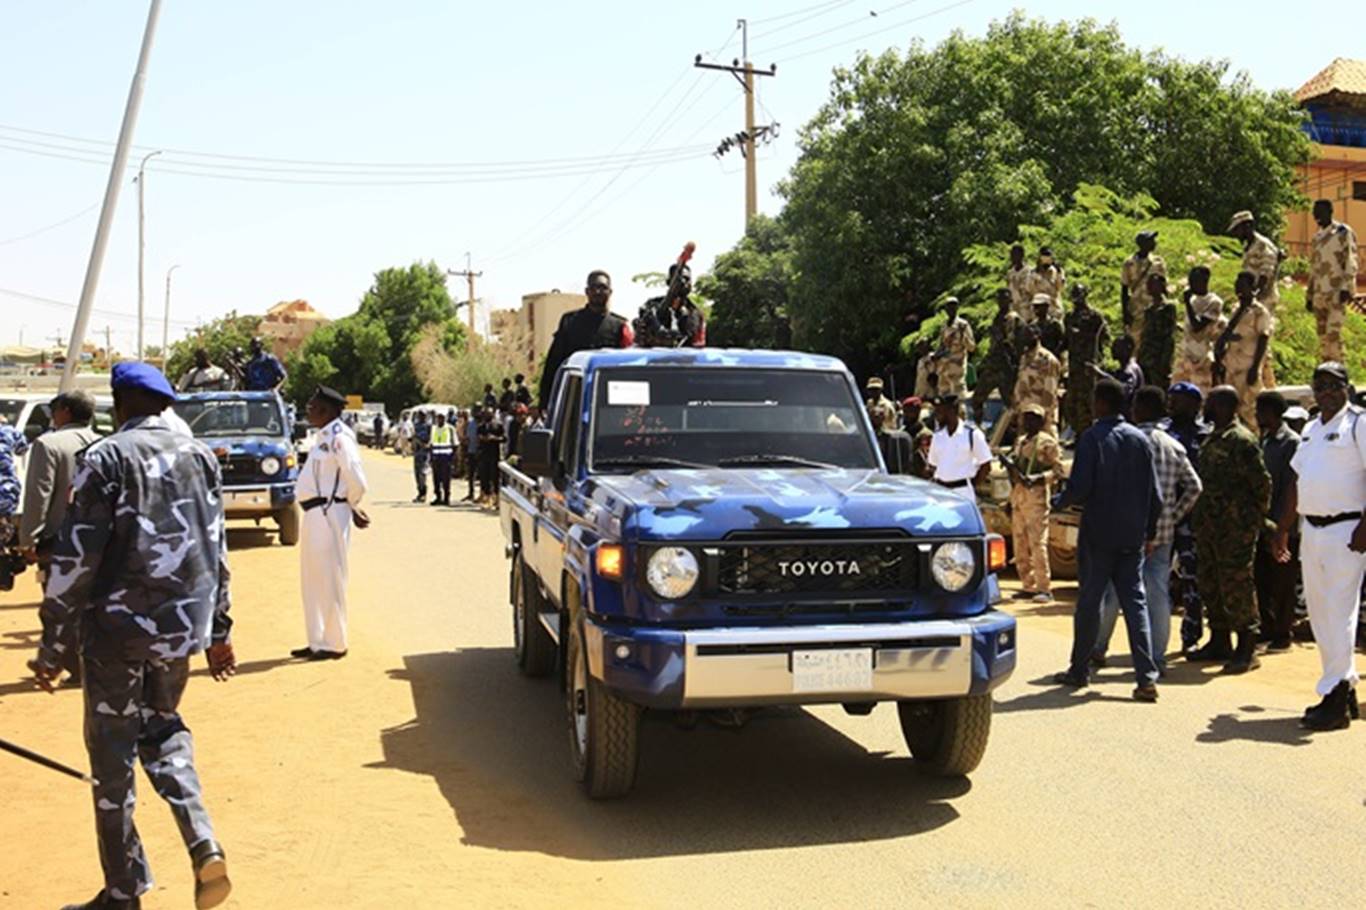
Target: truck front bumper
[
  {"x": 256, "y": 500},
  {"x": 739, "y": 667}
]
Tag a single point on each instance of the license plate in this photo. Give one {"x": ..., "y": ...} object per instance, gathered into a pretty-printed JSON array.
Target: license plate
[
  {"x": 248, "y": 499},
  {"x": 832, "y": 670}
]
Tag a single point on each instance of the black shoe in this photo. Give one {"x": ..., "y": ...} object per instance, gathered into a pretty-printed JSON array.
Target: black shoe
[
  {"x": 1277, "y": 645},
  {"x": 103, "y": 901},
  {"x": 1333, "y": 713},
  {"x": 1146, "y": 693},
  {"x": 1098, "y": 661},
  {"x": 435, "y": 502},
  {"x": 1353, "y": 706},
  {"x": 1244, "y": 656},
  {"x": 327, "y": 655},
  {"x": 211, "y": 884},
  {"x": 1216, "y": 649},
  {"x": 301, "y": 652},
  {"x": 420, "y": 497},
  {"x": 1068, "y": 678}
]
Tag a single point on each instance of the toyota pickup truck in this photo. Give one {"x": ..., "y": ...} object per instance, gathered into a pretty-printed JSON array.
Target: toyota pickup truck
[{"x": 715, "y": 529}]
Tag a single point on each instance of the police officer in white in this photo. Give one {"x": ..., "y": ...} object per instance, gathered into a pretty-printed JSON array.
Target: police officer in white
[
  {"x": 330, "y": 489},
  {"x": 1330, "y": 493},
  {"x": 958, "y": 452}
]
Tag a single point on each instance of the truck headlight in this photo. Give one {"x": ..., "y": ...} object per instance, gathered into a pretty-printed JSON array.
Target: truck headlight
[
  {"x": 672, "y": 572},
  {"x": 270, "y": 464},
  {"x": 953, "y": 565}
]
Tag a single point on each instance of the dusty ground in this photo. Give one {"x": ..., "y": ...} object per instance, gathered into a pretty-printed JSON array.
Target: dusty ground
[{"x": 423, "y": 771}]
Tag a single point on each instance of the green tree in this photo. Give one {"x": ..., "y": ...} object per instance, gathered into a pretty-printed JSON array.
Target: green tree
[
  {"x": 748, "y": 286},
  {"x": 220, "y": 337},
  {"x": 1091, "y": 240},
  {"x": 369, "y": 352},
  {"x": 916, "y": 156}
]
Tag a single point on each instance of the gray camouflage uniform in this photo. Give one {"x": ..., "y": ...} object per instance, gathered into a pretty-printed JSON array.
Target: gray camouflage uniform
[{"x": 140, "y": 568}]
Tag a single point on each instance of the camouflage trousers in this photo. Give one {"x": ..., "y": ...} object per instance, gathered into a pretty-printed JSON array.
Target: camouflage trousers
[
  {"x": 1225, "y": 575},
  {"x": 952, "y": 374},
  {"x": 1029, "y": 527},
  {"x": 1186, "y": 591},
  {"x": 1076, "y": 401},
  {"x": 994, "y": 376},
  {"x": 1200, "y": 372},
  {"x": 1329, "y": 315},
  {"x": 130, "y": 717},
  {"x": 1247, "y": 396}
]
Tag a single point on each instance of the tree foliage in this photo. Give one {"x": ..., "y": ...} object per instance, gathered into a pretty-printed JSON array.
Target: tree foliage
[
  {"x": 749, "y": 287},
  {"x": 1091, "y": 240},
  {"x": 219, "y": 338},
  {"x": 369, "y": 352},
  {"x": 916, "y": 156},
  {"x": 458, "y": 375}
]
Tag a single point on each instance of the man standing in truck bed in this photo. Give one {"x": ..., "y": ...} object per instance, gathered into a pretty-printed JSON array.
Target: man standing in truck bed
[{"x": 590, "y": 327}]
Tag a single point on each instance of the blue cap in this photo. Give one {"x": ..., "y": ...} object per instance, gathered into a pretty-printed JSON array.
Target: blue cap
[
  {"x": 138, "y": 375},
  {"x": 1186, "y": 388}
]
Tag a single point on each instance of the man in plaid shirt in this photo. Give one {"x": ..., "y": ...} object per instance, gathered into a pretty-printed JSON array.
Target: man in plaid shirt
[{"x": 1180, "y": 487}]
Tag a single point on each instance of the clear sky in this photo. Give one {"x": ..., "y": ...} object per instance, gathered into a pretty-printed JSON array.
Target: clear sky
[{"x": 522, "y": 114}]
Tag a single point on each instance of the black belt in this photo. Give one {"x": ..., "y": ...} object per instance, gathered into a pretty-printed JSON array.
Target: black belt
[
  {"x": 316, "y": 502},
  {"x": 1323, "y": 521},
  {"x": 952, "y": 484}
]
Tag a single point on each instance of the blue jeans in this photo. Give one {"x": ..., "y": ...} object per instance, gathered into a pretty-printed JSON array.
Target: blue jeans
[
  {"x": 1157, "y": 576},
  {"x": 1101, "y": 568}
]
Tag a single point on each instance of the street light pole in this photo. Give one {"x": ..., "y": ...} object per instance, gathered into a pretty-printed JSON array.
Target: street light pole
[
  {"x": 142, "y": 193},
  {"x": 166, "y": 320},
  {"x": 111, "y": 199}
]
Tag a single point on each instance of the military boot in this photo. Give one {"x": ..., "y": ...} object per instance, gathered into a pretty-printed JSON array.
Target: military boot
[
  {"x": 1217, "y": 648},
  {"x": 211, "y": 885},
  {"x": 103, "y": 901},
  {"x": 1333, "y": 713},
  {"x": 1245, "y": 655}
]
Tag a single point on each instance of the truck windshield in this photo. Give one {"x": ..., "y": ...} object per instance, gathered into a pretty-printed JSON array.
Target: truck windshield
[
  {"x": 232, "y": 416},
  {"x": 728, "y": 418}
]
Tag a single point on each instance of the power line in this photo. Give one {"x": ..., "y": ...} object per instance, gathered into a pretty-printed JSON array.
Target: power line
[
  {"x": 797, "y": 12},
  {"x": 895, "y": 25},
  {"x": 48, "y": 301},
  {"x": 51, "y": 227},
  {"x": 825, "y": 10},
  {"x": 841, "y": 27}
]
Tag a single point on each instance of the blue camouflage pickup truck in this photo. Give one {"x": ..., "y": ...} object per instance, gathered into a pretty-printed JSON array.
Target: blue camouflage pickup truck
[{"x": 715, "y": 529}]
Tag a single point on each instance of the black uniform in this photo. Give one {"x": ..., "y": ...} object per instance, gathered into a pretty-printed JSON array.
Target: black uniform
[
  {"x": 582, "y": 330},
  {"x": 661, "y": 325}
]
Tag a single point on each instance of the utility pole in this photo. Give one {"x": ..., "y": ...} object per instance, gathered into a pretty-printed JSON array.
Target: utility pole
[
  {"x": 111, "y": 200},
  {"x": 748, "y": 137},
  {"x": 469, "y": 275},
  {"x": 166, "y": 320},
  {"x": 141, "y": 180},
  {"x": 108, "y": 346}
]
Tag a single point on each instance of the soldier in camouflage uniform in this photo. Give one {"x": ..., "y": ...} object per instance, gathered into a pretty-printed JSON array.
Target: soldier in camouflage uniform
[
  {"x": 1052, "y": 334},
  {"x": 1000, "y": 367},
  {"x": 1185, "y": 424},
  {"x": 1204, "y": 324},
  {"x": 1017, "y": 282},
  {"x": 1040, "y": 373},
  {"x": 1088, "y": 336},
  {"x": 956, "y": 344},
  {"x": 1227, "y": 519},
  {"x": 1158, "y": 344},
  {"x": 1332, "y": 278},
  {"x": 1133, "y": 283},
  {"x": 1031, "y": 465},
  {"x": 1262, "y": 258},
  {"x": 926, "y": 382},
  {"x": 1046, "y": 278},
  {"x": 140, "y": 566},
  {"x": 1243, "y": 346}
]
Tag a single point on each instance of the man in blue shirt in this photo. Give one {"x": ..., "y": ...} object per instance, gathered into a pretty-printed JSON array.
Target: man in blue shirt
[
  {"x": 263, "y": 372},
  {"x": 1115, "y": 483}
]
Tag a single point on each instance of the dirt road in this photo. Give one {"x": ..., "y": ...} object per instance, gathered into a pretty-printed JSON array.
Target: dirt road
[{"x": 423, "y": 771}]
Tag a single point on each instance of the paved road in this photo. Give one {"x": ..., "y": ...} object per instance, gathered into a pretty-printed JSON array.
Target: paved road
[{"x": 423, "y": 771}]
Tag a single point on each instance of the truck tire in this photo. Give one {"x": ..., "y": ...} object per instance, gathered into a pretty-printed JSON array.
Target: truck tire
[
  {"x": 534, "y": 647},
  {"x": 1062, "y": 561},
  {"x": 604, "y": 730},
  {"x": 288, "y": 520},
  {"x": 947, "y": 737}
]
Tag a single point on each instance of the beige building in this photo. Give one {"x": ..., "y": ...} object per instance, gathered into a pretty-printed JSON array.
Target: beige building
[
  {"x": 539, "y": 317},
  {"x": 287, "y": 325}
]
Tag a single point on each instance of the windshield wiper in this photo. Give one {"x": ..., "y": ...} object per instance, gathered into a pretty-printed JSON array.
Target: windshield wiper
[
  {"x": 647, "y": 461},
  {"x": 742, "y": 460}
]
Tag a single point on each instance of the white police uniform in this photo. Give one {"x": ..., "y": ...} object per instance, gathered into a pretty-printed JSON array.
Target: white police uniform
[
  {"x": 331, "y": 484},
  {"x": 1330, "y": 465},
  {"x": 956, "y": 459}
]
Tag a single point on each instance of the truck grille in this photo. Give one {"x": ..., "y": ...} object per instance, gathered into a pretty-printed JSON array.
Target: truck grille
[
  {"x": 843, "y": 568},
  {"x": 239, "y": 469}
]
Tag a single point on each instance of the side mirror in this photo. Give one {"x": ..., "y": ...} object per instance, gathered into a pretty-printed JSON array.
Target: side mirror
[
  {"x": 538, "y": 452},
  {"x": 300, "y": 432}
]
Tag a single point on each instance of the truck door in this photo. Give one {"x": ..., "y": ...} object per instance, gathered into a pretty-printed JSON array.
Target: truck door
[{"x": 553, "y": 520}]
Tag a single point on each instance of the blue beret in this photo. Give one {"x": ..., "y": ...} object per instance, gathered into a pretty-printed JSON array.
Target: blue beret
[
  {"x": 138, "y": 375},
  {"x": 1186, "y": 388}
]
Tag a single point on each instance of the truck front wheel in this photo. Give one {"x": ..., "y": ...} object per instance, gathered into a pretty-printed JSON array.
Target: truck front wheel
[
  {"x": 288, "y": 520},
  {"x": 536, "y": 650},
  {"x": 947, "y": 737},
  {"x": 603, "y": 729}
]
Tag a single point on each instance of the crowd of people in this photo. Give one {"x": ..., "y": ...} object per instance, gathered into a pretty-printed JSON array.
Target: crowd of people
[
  {"x": 1188, "y": 462},
  {"x": 261, "y": 372}
]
